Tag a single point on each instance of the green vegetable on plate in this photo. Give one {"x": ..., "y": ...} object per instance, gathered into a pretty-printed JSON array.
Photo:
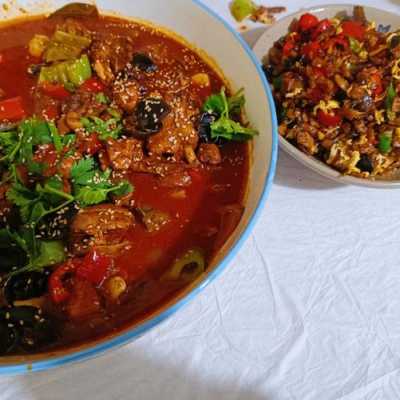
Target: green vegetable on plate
[{"x": 242, "y": 9}]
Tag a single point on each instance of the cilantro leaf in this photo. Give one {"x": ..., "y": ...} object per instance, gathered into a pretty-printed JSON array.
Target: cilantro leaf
[
  {"x": 109, "y": 129},
  {"x": 90, "y": 195},
  {"x": 217, "y": 103},
  {"x": 50, "y": 253},
  {"x": 92, "y": 186},
  {"x": 8, "y": 143},
  {"x": 225, "y": 127},
  {"x": 68, "y": 139},
  {"x": 101, "y": 98},
  {"x": 123, "y": 189},
  {"x": 58, "y": 144},
  {"x": 82, "y": 172},
  {"x": 230, "y": 130},
  {"x": 236, "y": 102}
]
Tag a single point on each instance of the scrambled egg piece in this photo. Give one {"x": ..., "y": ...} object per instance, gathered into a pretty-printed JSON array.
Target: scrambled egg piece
[
  {"x": 326, "y": 106},
  {"x": 379, "y": 116},
  {"x": 396, "y": 69}
]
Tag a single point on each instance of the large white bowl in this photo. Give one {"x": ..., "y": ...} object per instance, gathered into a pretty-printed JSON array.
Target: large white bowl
[
  {"x": 267, "y": 40},
  {"x": 205, "y": 30}
]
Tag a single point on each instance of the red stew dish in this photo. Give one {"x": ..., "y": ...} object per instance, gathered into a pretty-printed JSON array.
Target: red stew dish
[{"x": 124, "y": 161}]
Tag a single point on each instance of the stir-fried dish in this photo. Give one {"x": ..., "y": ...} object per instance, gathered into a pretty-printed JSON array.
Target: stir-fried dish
[
  {"x": 123, "y": 170},
  {"x": 336, "y": 84}
]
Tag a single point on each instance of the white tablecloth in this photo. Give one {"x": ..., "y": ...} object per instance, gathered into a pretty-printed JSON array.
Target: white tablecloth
[{"x": 309, "y": 310}]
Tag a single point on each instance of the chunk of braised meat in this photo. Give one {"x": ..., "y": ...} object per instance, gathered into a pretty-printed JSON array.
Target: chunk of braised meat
[
  {"x": 126, "y": 94},
  {"x": 43, "y": 105},
  {"x": 84, "y": 300},
  {"x": 170, "y": 175},
  {"x": 156, "y": 167},
  {"x": 110, "y": 56},
  {"x": 122, "y": 153},
  {"x": 209, "y": 153},
  {"x": 83, "y": 104},
  {"x": 153, "y": 220},
  {"x": 73, "y": 26},
  {"x": 103, "y": 227},
  {"x": 178, "y": 131},
  {"x": 176, "y": 179}
]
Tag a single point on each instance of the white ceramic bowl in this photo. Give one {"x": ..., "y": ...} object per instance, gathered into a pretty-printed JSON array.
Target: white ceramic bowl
[
  {"x": 278, "y": 30},
  {"x": 205, "y": 30}
]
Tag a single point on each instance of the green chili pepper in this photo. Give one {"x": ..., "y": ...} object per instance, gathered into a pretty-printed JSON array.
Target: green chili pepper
[
  {"x": 241, "y": 9},
  {"x": 65, "y": 46},
  {"x": 390, "y": 96},
  {"x": 188, "y": 267},
  {"x": 67, "y": 72},
  {"x": 385, "y": 142},
  {"x": 277, "y": 82},
  {"x": 355, "y": 45}
]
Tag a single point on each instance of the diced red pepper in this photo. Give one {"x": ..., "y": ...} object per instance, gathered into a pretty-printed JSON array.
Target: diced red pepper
[
  {"x": 376, "y": 81},
  {"x": 55, "y": 91},
  {"x": 93, "y": 85},
  {"x": 322, "y": 27},
  {"x": 354, "y": 29},
  {"x": 308, "y": 21},
  {"x": 316, "y": 95},
  {"x": 311, "y": 49},
  {"x": 328, "y": 120},
  {"x": 94, "y": 267},
  {"x": 89, "y": 144},
  {"x": 23, "y": 174},
  {"x": 340, "y": 40},
  {"x": 12, "y": 109},
  {"x": 57, "y": 290},
  {"x": 287, "y": 48},
  {"x": 51, "y": 112},
  {"x": 319, "y": 71}
]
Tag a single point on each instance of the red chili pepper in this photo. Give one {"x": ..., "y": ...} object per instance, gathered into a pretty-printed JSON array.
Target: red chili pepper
[
  {"x": 94, "y": 267},
  {"x": 319, "y": 71},
  {"x": 308, "y": 21},
  {"x": 51, "y": 112},
  {"x": 57, "y": 290},
  {"x": 315, "y": 95},
  {"x": 90, "y": 144},
  {"x": 12, "y": 109},
  {"x": 322, "y": 27},
  {"x": 287, "y": 48},
  {"x": 340, "y": 40},
  {"x": 311, "y": 49},
  {"x": 354, "y": 29},
  {"x": 376, "y": 81},
  {"x": 55, "y": 91},
  {"x": 328, "y": 120},
  {"x": 94, "y": 85},
  {"x": 23, "y": 174}
]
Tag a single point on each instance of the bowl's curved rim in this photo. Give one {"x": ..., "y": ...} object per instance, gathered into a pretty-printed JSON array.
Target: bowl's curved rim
[
  {"x": 309, "y": 161},
  {"x": 141, "y": 329}
]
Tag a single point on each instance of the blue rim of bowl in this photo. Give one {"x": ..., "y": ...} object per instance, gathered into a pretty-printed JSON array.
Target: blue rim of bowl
[{"x": 146, "y": 326}]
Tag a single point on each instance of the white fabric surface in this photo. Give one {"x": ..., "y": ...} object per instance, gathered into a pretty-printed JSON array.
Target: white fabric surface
[{"x": 309, "y": 310}]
